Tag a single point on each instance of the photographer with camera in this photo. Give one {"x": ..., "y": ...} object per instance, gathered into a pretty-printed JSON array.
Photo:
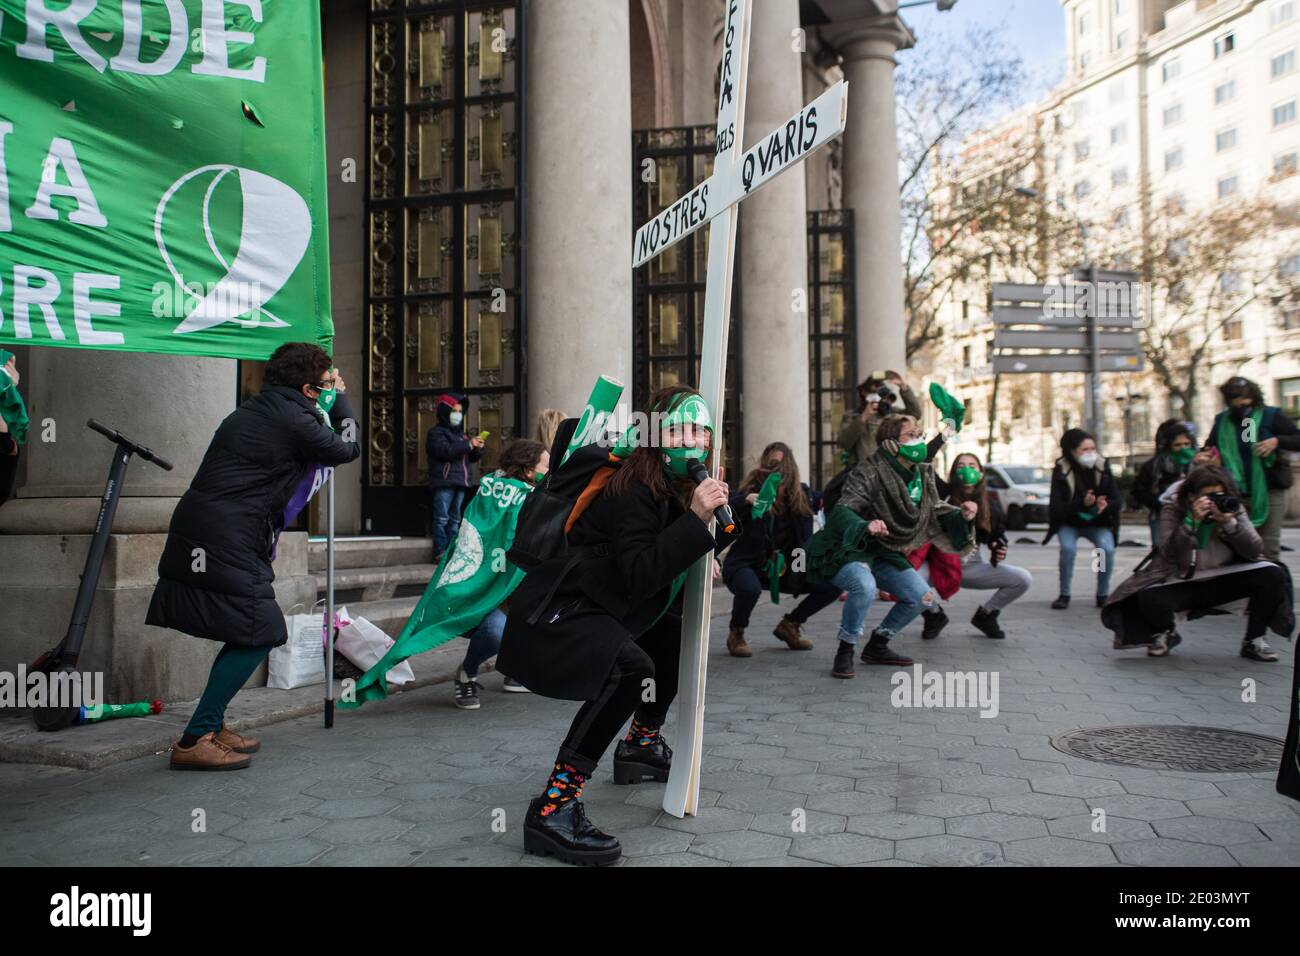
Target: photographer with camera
[
  {"x": 1248, "y": 435},
  {"x": 1209, "y": 555},
  {"x": 881, "y": 393}
]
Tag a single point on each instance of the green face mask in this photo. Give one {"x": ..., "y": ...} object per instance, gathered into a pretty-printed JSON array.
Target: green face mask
[
  {"x": 968, "y": 475},
  {"x": 326, "y": 399},
  {"x": 1184, "y": 456},
  {"x": 689, "y": 410},
  {"x": 913, "y": 451}
]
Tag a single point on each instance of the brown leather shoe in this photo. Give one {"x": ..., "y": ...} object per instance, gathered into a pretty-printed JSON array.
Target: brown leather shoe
[
  {"x": 239, "y": 743},
  {"x": 736, "y": 645},
  {"x": 208, "y": 754},
  {"x": 788, "y": 631}
]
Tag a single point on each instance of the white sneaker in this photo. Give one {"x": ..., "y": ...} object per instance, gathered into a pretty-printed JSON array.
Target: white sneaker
[
  {"x": 1257, "y": 649},
  {"x": 1163, "y": 644},
  {"x": 512, "y": 686}
]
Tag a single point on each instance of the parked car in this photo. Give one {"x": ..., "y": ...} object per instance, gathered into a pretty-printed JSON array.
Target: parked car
[{"x": 1023, "y": 491}]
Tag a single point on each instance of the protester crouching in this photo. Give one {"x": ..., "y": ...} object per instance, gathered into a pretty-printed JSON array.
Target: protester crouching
[
  {"x": 1085, "y": 503},
  {"x": 1175, "y": 451},
  {"x": 1209, "y": 555},
  {"x": 776, "y": 512},
  {"x": 1249, "y": 436},
  {"x": 890, "y": 506},
  {"x": 984, "y": 568}
]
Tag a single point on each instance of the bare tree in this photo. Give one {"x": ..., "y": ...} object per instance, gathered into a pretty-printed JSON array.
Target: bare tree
[{"x": 942, "y": 101}]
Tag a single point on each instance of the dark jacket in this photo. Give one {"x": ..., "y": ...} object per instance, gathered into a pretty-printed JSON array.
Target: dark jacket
[
  {"x": 450, "y": 453},
  {"x": 1070, "y": 484},
  {"x": 1154, "y": 478},
  {"x": 610, "y": 598},
  {"x": 760, "y": 538},
  {"x": 1274, "y": 424},
  {"x": 234, "y": 509},
  {"x": 997, "y": 532}
]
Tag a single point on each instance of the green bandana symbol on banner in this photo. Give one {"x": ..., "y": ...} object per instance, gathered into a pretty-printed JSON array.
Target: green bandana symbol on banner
[
  {"x": 473, "y": 580},
  {"x": 162, "y": 177}
]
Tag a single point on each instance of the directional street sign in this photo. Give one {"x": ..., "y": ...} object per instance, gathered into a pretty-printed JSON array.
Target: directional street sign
[
  {"x": 1037, "y": 315},
  {"x": 1040, "y": 339},
  {"x": 1078, "y": 362}
]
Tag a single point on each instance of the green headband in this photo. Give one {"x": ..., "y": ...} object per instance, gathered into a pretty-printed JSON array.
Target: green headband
[{"x": 690, "y": 409}]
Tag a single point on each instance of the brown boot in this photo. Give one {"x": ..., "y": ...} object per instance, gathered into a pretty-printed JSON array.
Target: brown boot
[
  {"x": 788, "y": 631},
  {"x": 208, "y": 754},
  {"x": 239, "y": 743},
  {"x": 736, "y": 645}
]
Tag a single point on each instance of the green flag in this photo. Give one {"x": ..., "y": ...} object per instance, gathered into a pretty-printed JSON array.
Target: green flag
[
  {"x": 162, "y": 177},
  {"x": 12, "y": 407},
  {"x": 473, "y": 579}
]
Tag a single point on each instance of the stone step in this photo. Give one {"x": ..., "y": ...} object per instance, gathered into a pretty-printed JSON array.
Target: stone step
[
  {"x": 352, "y": 585},
  {"x": 389, "y": 616},
  {"x": 369, "y": 553}
]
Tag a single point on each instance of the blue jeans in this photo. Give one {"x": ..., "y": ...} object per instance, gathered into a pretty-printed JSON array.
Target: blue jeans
[
  {"x": 860, "y": 582},
  {"x": 447, "y": 503},
  {"x": 1101, "y": 538},
  {"x": 484, "y": 641}
]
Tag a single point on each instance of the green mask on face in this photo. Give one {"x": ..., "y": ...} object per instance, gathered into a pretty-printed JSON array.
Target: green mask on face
[
  {"x": 326, "y": 399},
  {"x": 913, "y": 451},
  {"x": 689, "y": 410},
  {"x": 968, "y": 475},
  {"x": 1184, "y": 456}
]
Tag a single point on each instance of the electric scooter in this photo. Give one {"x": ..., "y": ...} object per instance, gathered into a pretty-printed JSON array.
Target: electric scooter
[{"x": 63, "y": 657}]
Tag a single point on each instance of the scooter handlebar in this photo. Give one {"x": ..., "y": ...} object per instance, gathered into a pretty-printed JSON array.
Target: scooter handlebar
[{"x": 120, "y": 439}]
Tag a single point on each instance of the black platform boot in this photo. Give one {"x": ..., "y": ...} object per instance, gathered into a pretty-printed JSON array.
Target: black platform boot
[
  {"x": 568, "y": 835},
  {"x": 635, "y": 762},
  {"x": 934, "y": 622},
  {"x": 987, "y": 621},
  {"x": 843, "y": 664}
]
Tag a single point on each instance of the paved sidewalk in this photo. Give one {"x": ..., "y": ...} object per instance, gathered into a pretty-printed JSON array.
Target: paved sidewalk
[{"x": 413, "y": 781}]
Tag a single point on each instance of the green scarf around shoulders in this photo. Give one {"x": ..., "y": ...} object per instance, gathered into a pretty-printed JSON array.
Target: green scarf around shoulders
[{"x": 1253, "y": 483}]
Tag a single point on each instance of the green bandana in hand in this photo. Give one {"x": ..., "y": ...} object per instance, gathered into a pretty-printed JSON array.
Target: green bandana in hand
[
  {"x": 968, "y": 475},
  {"x": 12, "y": 407},
  {"x": 689, "y": 410},
  {"x": 767, "y": 495},
  {"x": 951, "y": 408}
]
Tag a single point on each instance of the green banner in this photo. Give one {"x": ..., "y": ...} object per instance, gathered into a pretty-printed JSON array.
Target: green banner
[{"x": 162, "y": 176}]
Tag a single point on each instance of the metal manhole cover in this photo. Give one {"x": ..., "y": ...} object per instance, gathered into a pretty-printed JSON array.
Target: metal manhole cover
[{"x": 1198, "y": 749}]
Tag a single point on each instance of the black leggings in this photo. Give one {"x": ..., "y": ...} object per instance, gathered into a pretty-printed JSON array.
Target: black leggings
[
  {"x": 748, "y": 587},
  {"x": 1264, "y": 588},
  {"x": 654, "y": 655}
]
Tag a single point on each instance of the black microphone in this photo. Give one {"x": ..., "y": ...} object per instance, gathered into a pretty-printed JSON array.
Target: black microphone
[{"x": 699, "y": 474}]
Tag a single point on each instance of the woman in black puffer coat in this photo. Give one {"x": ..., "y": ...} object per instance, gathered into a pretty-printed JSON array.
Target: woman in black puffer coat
[{"x": 215, "y": 577}]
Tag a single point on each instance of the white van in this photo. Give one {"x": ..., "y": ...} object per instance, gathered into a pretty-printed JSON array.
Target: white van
[{"x": 1023, "y": 491}]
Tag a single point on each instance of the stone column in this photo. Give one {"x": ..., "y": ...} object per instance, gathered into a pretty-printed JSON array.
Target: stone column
[
  {"x": 701, "y": 23},
  {"x": 579, "y": 203},
  {"x": 871, "y": 184},
  {"x": 773, "y": 251}
]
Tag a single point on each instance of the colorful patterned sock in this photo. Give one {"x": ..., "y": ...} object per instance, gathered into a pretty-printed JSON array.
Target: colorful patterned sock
[
  {"x": 643, "y": 735},
  {"x": 564, "y": 784}
]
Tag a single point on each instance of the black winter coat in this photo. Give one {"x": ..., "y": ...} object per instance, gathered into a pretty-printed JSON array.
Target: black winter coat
[
  {"x": 1153, "y": 480},
  {"x": 449, "y": 452},
  {"x": 234, "y": 509},
  {"x": 605, "y": 600},
  {"x": 1070, "y": 485},
  {"x": 758, "y": 538}
]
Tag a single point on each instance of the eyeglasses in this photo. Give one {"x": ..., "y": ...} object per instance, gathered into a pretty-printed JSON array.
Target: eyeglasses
[{"x": 323, "y": 386}]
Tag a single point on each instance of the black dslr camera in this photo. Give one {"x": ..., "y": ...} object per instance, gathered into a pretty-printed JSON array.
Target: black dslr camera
[{"x": 1226, "y": 503}]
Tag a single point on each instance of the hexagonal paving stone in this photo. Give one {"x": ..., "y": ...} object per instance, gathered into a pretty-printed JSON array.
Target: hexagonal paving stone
[
  {"x": 947, "y": 851},
  {"x": 1138, "y": 807},
  {"x": 812, "y": 783},
  {"x": 777, "y": 766},
  {"x": 741, "y": 845},
  {"x": 985, "y": 785},
  {"x": 1235, "y": 808},
  {"x": 1118, "y": 829},
  {"x": 850, "y": 803},
  {"x": 377, "y": 854},
  {"x": 998, "y": 827},
  {"x": 895, "y": 826},
  {"x": 896, "y": 786},
  {"x": 363, "y": 830},
  {"x": 725, "y": 780},
  {"x": 709, "y": 820},
  {"x": 674, "y": 859},
  {"x": 275, "y": 853},
  {"x": 842, "y": 849},
  {"x": 1196, "y": 829},
  {"x": 1172, "y": 853},
  {"x": 1045, "y": 805},
  {"x": 1172, "y": 788},
  {"x": 762, "y": 801},
  {"x": 648, "y": 841},
  {"x": 1058, "y": 851},
  {"x": 943, "y": 804},
  {"x": 1068, "y": 785},
  {"x": 1267, "y": 854},
  {"x": 813, "y": 822}
]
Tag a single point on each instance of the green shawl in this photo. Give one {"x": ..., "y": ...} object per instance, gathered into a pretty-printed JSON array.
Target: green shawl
[{"x": 1249, "y": 476}]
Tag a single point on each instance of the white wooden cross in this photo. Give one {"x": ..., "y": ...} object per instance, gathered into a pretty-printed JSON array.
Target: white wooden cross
[{"x": 716, "y": 201}]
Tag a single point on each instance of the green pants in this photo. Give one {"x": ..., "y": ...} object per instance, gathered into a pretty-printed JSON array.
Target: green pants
[{"x": 230, "y": 671}]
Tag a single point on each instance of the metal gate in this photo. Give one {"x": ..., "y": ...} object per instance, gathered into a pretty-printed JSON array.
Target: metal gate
[
  {"x": 444, "y": 208},
  {"x": 668, "y": 292},
  {"x": 832, "y": 334}
]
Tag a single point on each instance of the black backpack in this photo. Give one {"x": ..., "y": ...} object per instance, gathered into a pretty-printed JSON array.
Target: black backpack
[
  {"x": 560, "y": 498},
  {"x": 834, "y": 488}
]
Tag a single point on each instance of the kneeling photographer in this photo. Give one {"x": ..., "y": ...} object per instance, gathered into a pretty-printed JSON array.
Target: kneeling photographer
[{"x": 1209, "y": 555}]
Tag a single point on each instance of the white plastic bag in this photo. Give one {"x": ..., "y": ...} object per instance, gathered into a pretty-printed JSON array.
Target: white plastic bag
[
  {"x": 298, "y": 662},
  {"x": 364, "y": 644}
]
